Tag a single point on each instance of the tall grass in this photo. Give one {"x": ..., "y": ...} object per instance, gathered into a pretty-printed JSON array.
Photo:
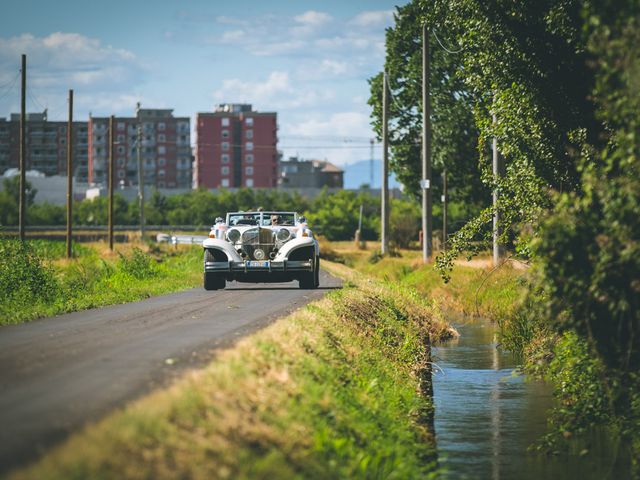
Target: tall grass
[{"x": 36, "y": 282}]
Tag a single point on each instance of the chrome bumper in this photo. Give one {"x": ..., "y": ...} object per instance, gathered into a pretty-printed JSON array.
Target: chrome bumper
[{"x": 244, "y": 267}]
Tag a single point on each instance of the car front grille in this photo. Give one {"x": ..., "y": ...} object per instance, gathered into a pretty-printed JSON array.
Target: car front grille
[{"x": 254, "y": 238}]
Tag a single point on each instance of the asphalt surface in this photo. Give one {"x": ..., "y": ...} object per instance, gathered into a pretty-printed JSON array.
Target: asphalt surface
[{"x": 58, "y": 374}]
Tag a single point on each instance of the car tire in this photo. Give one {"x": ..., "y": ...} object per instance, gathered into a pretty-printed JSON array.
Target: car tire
[
  {"x": 310, "y": 280},
  {"x": 317, "y": 273},
  {"x": 213, "y": 281}
]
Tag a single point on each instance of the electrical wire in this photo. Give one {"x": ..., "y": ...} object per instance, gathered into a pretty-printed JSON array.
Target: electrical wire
[
  {"x": 445, "y": 48},
  {"x": 10, "y": 88}
]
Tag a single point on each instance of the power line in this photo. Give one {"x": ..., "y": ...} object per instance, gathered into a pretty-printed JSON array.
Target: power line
[
  {"x": 445, "y": 48},
  {"x": 10, "y": 88}
]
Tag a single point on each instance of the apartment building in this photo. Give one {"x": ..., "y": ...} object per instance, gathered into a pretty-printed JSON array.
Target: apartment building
[
  {"x": 46, "y": 145},
  {"x": 165, "y": 149},
  {"x": 236, "y": 146}
]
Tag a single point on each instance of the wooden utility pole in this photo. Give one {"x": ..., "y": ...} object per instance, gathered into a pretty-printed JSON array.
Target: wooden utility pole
[
  {"x": 497, "y": 171},
  {"x": 444, "y": 210},
  {"x": 385, "y": 167},
  {"x": 140, "y": 173},
  {"x": 425, "y": 184},
  {"x": 22, "y": 207},
  {"x": 111, "y": 130},
  {"x": 69, "y": 173}
]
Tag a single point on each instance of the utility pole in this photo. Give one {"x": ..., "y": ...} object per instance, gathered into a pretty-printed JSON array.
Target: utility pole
[
  {"x": 140, "y": 173},
  {"x": 444, "y": 210},
  {"x": 69, "y": 173},
  {"x": 22, "y": 207},
  {"x": 111, "y": 130},
  {"x": 371, "y": 164},
  {"x": 497, "y": 171},
  {"x": 385, "y": 167},
  {"x": 425, "y": 184}
]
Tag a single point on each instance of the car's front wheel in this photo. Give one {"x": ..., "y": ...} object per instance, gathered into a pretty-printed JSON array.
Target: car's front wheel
[
  {"x": 214, "y": 281},
  {"x": 311, "y": 280}
]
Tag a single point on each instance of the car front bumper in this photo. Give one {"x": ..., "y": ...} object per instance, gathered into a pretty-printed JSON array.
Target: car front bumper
[{"x": 266, "y": 266}]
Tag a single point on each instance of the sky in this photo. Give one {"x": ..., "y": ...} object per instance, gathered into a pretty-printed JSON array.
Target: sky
[{"x": 309, "y": 61}]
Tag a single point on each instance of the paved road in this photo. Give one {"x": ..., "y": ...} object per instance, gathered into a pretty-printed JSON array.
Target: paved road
[{"x": 59, "y": 373}]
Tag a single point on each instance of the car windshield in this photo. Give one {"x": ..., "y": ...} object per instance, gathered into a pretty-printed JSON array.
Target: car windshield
[{"x": 264, "y": 219}]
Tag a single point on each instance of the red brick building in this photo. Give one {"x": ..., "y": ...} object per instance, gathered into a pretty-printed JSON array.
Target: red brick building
[
  {"x": 165, "y": 149},
  {"x": 236, "y": 147}
]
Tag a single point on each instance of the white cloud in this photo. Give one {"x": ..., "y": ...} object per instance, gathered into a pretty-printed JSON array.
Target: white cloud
[
  {"x": 312, "y": 17},
  {"x": 68, "y": 59},
  {"x": 233, "y": 36},
  {"x": 373, "y": 18},
  {"x": 277, "y": 92},
  {"x": 340, "y": 137},
  {"x": 333, "y": 67}
]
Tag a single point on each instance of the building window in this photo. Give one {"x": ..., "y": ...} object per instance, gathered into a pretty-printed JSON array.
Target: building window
[
  {"x": 225, "y": 145},
  {"x": 161, "y": 173},
  {"x": 225, "y": 122},
  {"x": 224, "y": 170},
  {"x": 121, "y": 161},
  {"x": 224, "y": 182},
  {"x": 63, "y": 129},
  {"x": 225, "y": 133},
  {"x": 249, "y": 146},
  {"x": 120, "y": 126},
  {"x": 160, "y": 184},
  {"x": 162, "y": 161},
  {"x": 162, "y": 137},
  {"x": 120, "y": 138},
  {"x": 121, "y": 174},
  {"x": 249, "y": 134},
  {"x": 225, "y": 158},
  {"x": 63, "y": 141},
  {"x": 120, "y": 149},
  {"x": 161, "y": 126},
  {"x": 248, "y": 171},
  {"x": 249, "y": 158},
  {"x": 162, "y": 150},
  {"x": 249, "y": 182},
  {"x": 249, "y": 122}
]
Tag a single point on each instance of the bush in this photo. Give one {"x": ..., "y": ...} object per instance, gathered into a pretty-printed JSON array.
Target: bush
[
  {"x": 22, "y": 271},
  {"x": 138, "y": 265}
]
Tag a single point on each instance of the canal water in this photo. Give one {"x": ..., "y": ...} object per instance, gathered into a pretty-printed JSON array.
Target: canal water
[{"x": 487, "y": 415}]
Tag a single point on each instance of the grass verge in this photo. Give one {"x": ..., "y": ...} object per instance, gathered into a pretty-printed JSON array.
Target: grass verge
[
  {"x": 335, "y": 390},
  {"x": 37, "y": 281}
]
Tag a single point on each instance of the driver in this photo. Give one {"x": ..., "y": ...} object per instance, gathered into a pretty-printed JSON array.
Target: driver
[{"x": 275, "y": 220}]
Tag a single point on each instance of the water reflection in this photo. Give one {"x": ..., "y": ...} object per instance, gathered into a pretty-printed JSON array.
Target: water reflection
[{"x": 487, "y": 415}]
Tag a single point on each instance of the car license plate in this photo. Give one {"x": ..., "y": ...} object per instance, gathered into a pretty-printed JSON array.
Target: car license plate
[{"x": 258, "y": 264}]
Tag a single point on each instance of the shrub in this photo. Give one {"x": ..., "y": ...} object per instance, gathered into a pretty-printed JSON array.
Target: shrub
[{"x": 138, "y": 265}]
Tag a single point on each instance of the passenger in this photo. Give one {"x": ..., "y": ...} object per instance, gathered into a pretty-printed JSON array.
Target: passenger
[{"x": 275, "y": 220}]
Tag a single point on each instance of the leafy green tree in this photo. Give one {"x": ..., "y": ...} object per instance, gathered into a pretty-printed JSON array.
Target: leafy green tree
[{"x": 336, "y": 215}]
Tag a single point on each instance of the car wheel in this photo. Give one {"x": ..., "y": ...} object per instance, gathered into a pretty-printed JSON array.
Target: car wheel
[
  {"x": 317, "y": 273},
  {"x": 310, "y": 280},
  {"x": 213, "y": 281}
]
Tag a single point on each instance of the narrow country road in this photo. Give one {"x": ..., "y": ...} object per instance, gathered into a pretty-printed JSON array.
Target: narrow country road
[{"x": 59, "y": 373}]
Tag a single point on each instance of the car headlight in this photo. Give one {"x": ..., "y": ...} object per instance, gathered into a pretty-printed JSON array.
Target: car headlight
[
  {"x": 283, "y": 235},
  {"x": 233, "y": 235},
  {"x": 259, "y": 254}
]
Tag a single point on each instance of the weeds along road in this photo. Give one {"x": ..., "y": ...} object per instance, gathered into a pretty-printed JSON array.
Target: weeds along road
[{"x": 60, "y": 373}]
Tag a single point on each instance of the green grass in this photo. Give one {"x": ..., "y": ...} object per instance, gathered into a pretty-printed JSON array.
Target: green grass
[
  {"x": 335, "y": 390},
  {"x": 36, "y": 281}
]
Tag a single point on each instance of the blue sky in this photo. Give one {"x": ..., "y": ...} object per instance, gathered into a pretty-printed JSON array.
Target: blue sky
[{"x": 309, "y": 61}]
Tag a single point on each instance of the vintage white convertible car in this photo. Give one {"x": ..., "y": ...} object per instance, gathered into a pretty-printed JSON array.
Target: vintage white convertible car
[{"x": 261, "y": 247}]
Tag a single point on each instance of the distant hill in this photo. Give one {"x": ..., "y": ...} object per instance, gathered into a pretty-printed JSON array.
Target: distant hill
[{"x": 358, "y": 173}]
